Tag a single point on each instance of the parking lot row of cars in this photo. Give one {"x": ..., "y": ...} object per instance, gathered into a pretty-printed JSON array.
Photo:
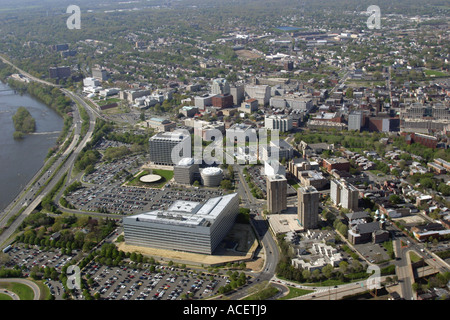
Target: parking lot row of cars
[
  {"x": 27, "y": 258},
  {"x": 130, "y": 200},
  {"x": 166, "y": 283}
]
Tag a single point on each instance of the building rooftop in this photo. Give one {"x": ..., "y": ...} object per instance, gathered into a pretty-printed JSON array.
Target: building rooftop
[{"x": 187, "y": 213}]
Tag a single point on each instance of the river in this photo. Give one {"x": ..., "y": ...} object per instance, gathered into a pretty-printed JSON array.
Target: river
[{"x": 20, "y": 160}]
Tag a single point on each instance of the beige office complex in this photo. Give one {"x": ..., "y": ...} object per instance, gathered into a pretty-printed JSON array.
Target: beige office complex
[
  {"x": 308, "y": 207},
  {"x": 276, "y": 193},
  {"x": 185, "y": 226}
]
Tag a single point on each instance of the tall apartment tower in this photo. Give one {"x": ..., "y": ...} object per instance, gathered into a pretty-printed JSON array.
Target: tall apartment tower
[
  {"x": 344, "y": 194},
  {"x": 308, "y": 207},
  {"x": 355, "y": 121},
  {"x": 276, "y": 193}
]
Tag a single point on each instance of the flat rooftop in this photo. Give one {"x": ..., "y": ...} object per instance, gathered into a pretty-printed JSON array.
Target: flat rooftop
[{"x": 188, "y": 213}]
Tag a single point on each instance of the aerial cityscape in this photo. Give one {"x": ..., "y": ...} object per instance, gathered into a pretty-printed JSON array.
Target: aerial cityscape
[{"x": 239, "y": 150}]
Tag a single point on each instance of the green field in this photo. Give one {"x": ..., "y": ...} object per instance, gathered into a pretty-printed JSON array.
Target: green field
[
  {"x": 166, "y": 176},
  {"x": 435, "y": 73},
  {"x": 4, "y": 297},
  {"x": 295, "y": 292},
  {"x": 23, "y": 291}
]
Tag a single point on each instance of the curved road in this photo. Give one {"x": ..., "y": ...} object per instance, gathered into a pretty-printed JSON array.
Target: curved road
[
  {"x": 29, "y": 283},
  {"x": 30, "y": 198}
]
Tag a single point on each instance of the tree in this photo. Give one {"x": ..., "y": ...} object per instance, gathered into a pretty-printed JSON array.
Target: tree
[
  {"x": 343, "y": 266},
  {"x": 226, "y": 184},
  {"x": 327, "y": 270},
  {"x": 394, "y": 199}
]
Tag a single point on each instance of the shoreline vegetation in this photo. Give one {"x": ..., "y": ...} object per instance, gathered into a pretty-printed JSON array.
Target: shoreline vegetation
[{"x": 24, "y": 123}]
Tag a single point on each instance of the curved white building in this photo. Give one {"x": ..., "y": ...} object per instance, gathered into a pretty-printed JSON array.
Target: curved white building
[{"x": 211, "y": 177}]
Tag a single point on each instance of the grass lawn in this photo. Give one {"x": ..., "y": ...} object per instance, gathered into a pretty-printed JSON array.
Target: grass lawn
[
  {"x": 263, "y": 294},
  {"x": 414, "y": 257},
  {"x": 45, "y": 291},
  {"x": 166, "y": 176},
  {"x": 435, "y": 73},
  {"x": 23, "y": 291},
  {"x": 4, "y": 297},
  {"x": 295, "y": 292}
]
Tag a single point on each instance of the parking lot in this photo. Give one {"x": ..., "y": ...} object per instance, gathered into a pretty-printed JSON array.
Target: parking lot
[
  {"x": 373, "y": 252},
  {"x": 32, "y": 259},
  {"x": 164, "y": 283},
  {"x": 122, "y": 282},
  {"x": 112, "y": 197}
]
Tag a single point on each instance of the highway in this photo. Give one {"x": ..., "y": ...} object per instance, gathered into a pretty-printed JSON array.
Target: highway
[{"x": 32, "y": 195}]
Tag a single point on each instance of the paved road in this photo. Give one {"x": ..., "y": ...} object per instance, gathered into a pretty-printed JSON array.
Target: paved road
[
  {"x": 30, "y": 198},
  {"x": 270, "y": 247},
  {"x": 31, "y": 284}
]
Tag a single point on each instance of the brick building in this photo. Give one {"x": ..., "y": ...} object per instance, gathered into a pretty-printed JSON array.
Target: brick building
[
  {"x": 340, "y": 164},
  {"x": 222, "y": 101}
]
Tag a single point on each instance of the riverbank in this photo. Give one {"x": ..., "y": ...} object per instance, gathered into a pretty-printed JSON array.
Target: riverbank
[{"x": 22, "y": 159}]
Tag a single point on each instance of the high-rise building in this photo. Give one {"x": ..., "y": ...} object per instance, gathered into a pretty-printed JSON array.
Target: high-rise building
[
  {"x": 276, "y": 193},
  {"x": 238, "y": 94},
  {"x": 220, "y": 86},
  {"x": 165, "y": 147},
  {"x": 355, "y": 120},
  {"x": 344, "y": 194},
  {"x": 308, "y": 207}
]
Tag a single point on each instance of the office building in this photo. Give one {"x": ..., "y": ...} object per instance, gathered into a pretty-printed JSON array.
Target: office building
[
  {"x": 339, "y": 164},
  {"x": 308, "y": 207},
  {"x": 344, "y": 194},
  {"x": 277, "y": 150},
  {"x": 355, "y": 121},
  {"x": 259, "y": 92},
  {"x": 304, "y": 104},
  {"x": 185, "y": 226},
  {"x": 189, "y": 111},
  {"x": 68, "y": 53},
  {"x": 132, "y": 95},
  {"x": 222, "y": 101},
  {"x": 201, "y": 102},
  {"x": 185, "y": 171},
  {"x": 91, "y": 82},
  {"x": 220, "y": 86},
  {"x": 59, "y": 72},
  {"x": 276, "y": 193},
  {"x": 211, "y": 176},
  {"x": 249, "y": 106},
  {"x": 238, "y": 94},
  {"x": 165, "y": 147},
  {"x": 100, "y": 74},
  {"x": 60, "y": 47},
  {"x": 282, "y": 123}
]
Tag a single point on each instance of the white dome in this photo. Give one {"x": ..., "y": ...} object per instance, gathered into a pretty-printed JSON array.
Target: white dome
[{"x": 212, "y": 171}]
